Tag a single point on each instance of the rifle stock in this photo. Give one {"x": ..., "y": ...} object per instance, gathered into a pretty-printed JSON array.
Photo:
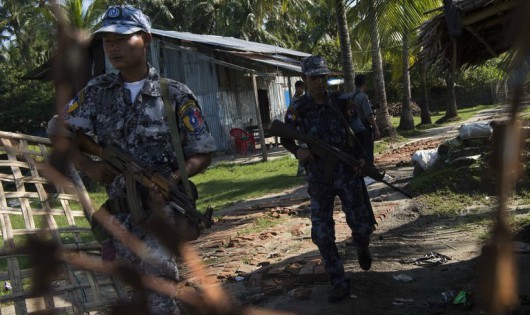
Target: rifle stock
[{"x": 325, "y": 150}]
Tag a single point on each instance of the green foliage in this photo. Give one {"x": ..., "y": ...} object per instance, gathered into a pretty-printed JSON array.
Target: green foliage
[
  {"x": 26, "y": 106},
  {"x": 330, "y": 49},
  {"x": 490, "y": 72}
]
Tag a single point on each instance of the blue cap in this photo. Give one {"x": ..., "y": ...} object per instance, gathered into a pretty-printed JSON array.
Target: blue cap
[
  {"x": 124, "y": 20},
  {"x": 314, "y": 65}
]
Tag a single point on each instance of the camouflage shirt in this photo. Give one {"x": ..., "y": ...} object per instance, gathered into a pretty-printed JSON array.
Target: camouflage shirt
[
  {"x": 322, "y": 121},
  {"x": 105, "y": 110}
]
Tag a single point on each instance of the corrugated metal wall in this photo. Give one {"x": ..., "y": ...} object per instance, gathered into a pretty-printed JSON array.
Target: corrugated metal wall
[
  {"x": 225, "y": 95},
  {"x": 200, "y": 76}
]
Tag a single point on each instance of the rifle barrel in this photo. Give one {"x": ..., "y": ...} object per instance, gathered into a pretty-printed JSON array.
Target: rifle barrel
[{"x": 323, "y": 149}]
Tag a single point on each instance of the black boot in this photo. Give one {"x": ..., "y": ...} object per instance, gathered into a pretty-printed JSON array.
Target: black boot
[
  {"x": 365, "y": 258},
  {"x": 339, "y": 292}
]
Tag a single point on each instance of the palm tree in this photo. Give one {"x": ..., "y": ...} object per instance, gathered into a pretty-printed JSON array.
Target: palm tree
[
  {"x": 400, "y": 19},
  {"x": 17, "y": 24},
  {"x": 424, "y": 105},
  {"x": 406, "y": 16},
  {"x": 367, "y": 30},
  {"x": 83, "y": 19},
  {"x": 345, "y": 46},
  {"x": 383, "y": 117},
  {"x": 318, "y": 31}
]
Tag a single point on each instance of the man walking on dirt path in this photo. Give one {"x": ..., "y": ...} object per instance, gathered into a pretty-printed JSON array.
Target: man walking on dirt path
[
  {"x": 363, "y": 107},
  {"x": 316, "y": 115},
  {"x": 133, "y": 110}
]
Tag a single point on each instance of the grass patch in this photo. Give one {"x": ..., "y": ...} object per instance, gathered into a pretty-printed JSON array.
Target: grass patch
[
  {"x": 261, "y": 224},
  {"x": 225, "y": 184},
  {"x": 462, "y": 180},
  {"x": 521, "y": 226},
  {"x": 385, "y": 143},
  {"x": 449, "y": 204},
  {"x": 463, "y": 114},
  {"x": 215, "y": 261}
]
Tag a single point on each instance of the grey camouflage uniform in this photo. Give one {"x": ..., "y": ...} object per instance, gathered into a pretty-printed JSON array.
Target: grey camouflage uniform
[
  {"x": 324, "y": 122},
  {"x": 105, "y": 110}
]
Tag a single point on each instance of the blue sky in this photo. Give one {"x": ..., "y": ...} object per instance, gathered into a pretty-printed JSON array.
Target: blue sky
[{"x": 86, "y": 3}]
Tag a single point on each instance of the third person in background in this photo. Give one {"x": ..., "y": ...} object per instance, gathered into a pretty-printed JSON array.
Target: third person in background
[
  {"x": 298, "y": 92},
  {"x": 364, "y": 109}
]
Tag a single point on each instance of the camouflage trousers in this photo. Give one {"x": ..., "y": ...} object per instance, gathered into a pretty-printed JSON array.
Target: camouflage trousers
[
  {"x": 161, "y": 263},
  {"x": 358, "y": 218}
]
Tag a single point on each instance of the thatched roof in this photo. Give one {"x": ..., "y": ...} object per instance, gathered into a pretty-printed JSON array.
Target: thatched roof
[{"x": 485, "y": 26}]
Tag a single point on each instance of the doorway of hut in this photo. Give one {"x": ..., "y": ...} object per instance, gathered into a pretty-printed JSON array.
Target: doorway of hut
[
  {"x": 265, "y": 115},
  {"x": 264, "y": 108}
]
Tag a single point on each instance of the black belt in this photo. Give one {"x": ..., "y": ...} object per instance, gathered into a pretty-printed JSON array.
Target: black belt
[{"x": 117, "y": 205}]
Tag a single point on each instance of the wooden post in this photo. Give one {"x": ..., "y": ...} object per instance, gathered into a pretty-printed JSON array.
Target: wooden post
[{"x": 260, "y": 124}]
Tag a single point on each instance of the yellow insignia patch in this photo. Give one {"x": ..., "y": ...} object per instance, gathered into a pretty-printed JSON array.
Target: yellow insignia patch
[
  {"x": 191, "y": 116},
  {"x": 74, "y": 104},
  {"x": 186, "y": 106}
]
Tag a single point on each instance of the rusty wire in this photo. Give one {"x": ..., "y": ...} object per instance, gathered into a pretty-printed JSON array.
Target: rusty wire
[{"x": 498, "y": 274}]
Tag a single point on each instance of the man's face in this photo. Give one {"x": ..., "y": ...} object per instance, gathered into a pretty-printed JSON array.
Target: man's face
[
  {"x": 299, "y": 90},
  {"x": 126, "y": 52},
  {"x": 316, "y": 84}
]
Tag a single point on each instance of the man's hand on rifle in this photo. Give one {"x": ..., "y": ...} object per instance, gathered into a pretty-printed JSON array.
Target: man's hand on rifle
[
  {"x": 303, "y": 155},
  {"x": 156, "y": 198},
  {"x": 99, "y": 171}
]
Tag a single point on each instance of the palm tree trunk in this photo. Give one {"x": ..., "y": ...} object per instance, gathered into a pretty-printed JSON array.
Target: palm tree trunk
[
  {"x": 451, "y": 110},
  {"x": 424, "y": 106},
  {"x": 383, "y": 117},
  {"x": 345, "y": 46},
  {"x": 407, "y": 120}
]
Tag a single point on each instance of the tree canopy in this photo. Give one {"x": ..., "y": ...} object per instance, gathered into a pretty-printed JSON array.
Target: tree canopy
[{"x": 27, "y": 33}]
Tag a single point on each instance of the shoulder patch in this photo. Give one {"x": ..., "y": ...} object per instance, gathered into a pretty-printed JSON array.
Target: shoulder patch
[
  {"x": 290, "y": 116},
  {"x": 74, "y": 103},
  {"x": 191, "y": 116}
]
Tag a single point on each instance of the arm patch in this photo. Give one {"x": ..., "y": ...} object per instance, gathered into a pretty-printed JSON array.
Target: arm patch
[
  {"x": 75, "y": 102},
  {"x": 290, "y": 116},
  {"x": 191, "y": 115}
]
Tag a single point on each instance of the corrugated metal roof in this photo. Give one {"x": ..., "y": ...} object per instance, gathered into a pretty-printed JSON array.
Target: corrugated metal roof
[
  {"x": 229, "y": 43},
  {"x": 284, "y": 58},
  {"x": 284, "y": 63}
]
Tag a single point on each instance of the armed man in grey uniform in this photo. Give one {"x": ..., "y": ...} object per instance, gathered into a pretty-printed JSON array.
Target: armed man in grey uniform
[{"x": 127, "y": 110}]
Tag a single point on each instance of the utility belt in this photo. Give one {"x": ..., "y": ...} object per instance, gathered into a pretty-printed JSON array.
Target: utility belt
[
  {"x": 114, "y": 206},
  {"x": 117, "y": 206}
]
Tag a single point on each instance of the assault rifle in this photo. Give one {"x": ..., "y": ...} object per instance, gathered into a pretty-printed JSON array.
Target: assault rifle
[
  {"x": 135, "y": 173},
  {"x": 330, "y": 153}
]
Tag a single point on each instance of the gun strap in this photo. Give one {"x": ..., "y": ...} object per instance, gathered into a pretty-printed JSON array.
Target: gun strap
[
  {"x": 351, "y": 135},
  {"x": 134, "y": 201},
  {"x": 175, "y": 136}
]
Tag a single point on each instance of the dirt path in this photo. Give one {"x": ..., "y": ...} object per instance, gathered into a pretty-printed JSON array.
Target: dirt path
[{"x": 262, "y": 253}]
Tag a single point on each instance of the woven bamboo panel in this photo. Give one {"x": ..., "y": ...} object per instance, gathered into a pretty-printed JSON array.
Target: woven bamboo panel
[{"x": 31, "y": 204}]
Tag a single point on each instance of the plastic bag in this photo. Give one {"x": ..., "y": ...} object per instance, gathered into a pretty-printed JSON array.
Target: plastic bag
[{"x": 475, "y": 130}]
